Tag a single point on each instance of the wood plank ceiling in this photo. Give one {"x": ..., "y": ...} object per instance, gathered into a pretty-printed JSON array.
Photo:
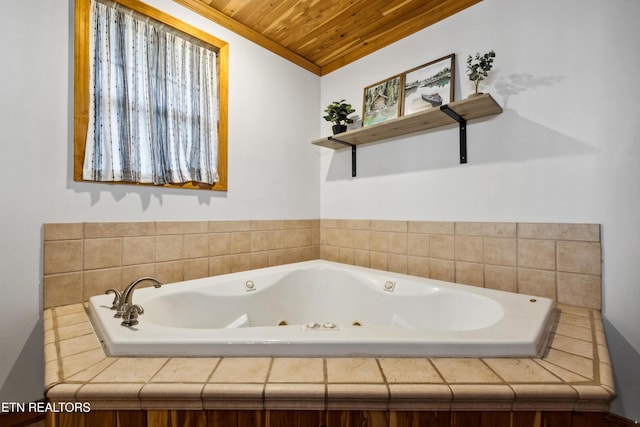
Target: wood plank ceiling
[{"x": 324, "y": 35}]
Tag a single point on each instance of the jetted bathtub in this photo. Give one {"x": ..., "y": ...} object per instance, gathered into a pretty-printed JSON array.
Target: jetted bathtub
[{"x": 322, "y": 308}]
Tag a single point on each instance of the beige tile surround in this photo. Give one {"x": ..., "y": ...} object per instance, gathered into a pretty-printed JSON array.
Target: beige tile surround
[
  {"x": 557, "y": 261},
  {"x": 85, "y": 259},
  {"x": 561, "y": 261}
]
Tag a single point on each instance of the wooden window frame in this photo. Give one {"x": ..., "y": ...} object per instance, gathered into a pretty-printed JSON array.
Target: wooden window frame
[{"x": 81, "y": 88}]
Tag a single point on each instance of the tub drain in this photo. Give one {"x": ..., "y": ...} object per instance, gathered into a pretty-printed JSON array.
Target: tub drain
[
  {"x": 282, "y": 323},
  {"x": 356, "y": 323}
]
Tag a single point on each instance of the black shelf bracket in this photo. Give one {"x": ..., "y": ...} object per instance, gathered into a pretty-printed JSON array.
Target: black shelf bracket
[
  {"x": 463, "y": 130},
  {"x": 353, "y": 153}
]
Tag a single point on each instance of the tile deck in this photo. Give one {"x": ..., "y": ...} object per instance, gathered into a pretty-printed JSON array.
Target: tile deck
[{"x": 574, "y": 374}]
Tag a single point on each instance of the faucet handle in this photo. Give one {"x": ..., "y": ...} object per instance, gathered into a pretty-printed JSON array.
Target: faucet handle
[
  {"x": 130, "y": 317},
  {"x": 117, "y": 297}
]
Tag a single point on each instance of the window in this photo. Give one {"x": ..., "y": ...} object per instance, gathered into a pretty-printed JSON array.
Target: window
[{"x": 157, "y": 123}]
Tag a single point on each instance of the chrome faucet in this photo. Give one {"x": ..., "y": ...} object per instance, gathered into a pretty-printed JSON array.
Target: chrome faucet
[
  {"x": 123, "y": 300},
  {"x": 130, "y": 317}
]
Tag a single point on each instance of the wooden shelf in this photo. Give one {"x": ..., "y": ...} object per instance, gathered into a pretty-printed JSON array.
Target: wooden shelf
[{"x": 468, "y": 109}]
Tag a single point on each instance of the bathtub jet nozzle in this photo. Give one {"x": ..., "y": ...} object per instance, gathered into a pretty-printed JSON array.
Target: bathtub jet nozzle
[
  {"x": 315, "y": 326},
  {"x": 249, "y": 286}
]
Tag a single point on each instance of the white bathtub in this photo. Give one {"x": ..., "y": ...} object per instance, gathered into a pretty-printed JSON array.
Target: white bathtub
[{"x": 325, "y": 309}]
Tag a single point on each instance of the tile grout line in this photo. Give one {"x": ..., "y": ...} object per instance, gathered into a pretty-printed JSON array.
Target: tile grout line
[{"x": 596, "y": 356}]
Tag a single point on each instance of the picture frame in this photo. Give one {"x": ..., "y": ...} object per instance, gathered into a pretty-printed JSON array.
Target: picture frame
[
  {"x": 382, "y": 101},
  {"x": 429, "y": 85}
]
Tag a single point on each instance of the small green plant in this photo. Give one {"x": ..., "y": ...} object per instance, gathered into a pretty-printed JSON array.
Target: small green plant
[
  {"x": 338, "y": 111},
  {"x": 478, "y": 67}
]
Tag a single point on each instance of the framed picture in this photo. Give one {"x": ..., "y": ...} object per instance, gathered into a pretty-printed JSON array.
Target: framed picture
[
  {"x": 382, "y": 101},
  {"x": 429, "y": 85}
]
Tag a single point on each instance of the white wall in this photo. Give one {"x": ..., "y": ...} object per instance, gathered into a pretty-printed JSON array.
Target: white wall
[
  {"x": 273, "y": 170},
  {"x": 566, "y": 148}
]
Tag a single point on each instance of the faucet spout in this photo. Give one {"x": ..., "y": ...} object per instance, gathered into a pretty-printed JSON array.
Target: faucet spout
[{"x": 127, "y": 294}]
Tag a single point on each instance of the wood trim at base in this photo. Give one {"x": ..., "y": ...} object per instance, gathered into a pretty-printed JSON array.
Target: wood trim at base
[{"x": 315, "y": 418}]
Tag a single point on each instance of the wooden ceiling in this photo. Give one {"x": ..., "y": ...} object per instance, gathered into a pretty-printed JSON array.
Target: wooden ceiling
[{"x": 324, "y": 35}]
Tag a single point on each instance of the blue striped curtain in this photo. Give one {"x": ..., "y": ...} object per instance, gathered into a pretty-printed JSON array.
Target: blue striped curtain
[{"x": 153, "y": 114}]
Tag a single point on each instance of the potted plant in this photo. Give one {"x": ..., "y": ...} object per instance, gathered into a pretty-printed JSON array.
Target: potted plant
[
  {"x": 337, "y": 113},
  {"x": 478, "y": 68}
]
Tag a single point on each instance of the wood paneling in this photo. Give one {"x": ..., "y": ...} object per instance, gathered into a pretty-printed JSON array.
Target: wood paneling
[
  {"x": 419, "y": 419},
  {"x": 18, "y": 419},
  {"x": 175, "y": 418},
  {"x": 316, "y": 418},
  {"x": 323, "y": 36}
]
